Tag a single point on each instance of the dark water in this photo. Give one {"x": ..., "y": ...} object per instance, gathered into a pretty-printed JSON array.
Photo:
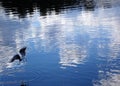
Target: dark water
[{"x": 69, "y": 42}]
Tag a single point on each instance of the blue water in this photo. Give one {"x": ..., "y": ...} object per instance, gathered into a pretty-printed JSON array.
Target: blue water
[{"x": 68, "y": 44}]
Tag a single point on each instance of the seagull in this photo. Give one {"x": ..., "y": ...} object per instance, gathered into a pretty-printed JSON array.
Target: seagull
[{"x": 19, "y": 56}]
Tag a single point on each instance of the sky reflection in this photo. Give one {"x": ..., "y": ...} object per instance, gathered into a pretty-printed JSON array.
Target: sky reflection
[
  {"x": 109, "y": 74},
  {"x": 64, "y": 32}
]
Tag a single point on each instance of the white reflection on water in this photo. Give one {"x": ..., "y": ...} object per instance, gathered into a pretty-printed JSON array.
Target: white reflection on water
[
  {"x": 112, "y": 79},
  {"x": 72, "y": 54},
  {"x": 109, "y": 74}
]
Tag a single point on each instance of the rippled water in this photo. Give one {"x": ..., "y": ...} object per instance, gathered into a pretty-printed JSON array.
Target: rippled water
[{"x": 69, "y": 43}]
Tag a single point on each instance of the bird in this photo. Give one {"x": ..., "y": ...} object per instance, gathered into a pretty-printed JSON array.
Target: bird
[{"x": 20, "y": 56}]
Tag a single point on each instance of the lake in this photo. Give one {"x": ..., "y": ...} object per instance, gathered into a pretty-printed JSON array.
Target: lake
[{"x": 69, "y": 43}]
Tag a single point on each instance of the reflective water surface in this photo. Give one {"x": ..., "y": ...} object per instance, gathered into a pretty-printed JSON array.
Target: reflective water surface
[{"x": 69, "y": 43}]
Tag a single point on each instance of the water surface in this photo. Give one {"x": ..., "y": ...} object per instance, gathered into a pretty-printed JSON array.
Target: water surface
[{"x": 69, "y": 43}]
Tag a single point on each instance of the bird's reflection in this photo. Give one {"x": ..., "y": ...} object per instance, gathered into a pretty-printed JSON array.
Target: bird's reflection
[{"x": 23, "y": 83}]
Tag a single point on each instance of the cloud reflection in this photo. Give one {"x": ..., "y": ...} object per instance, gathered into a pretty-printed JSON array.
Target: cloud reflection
[
  {"x": 73, "y": 35},
  {"x": 109, "y": 74},
  {"x": 113, "y": 81},
  {"x": 4, "y": 55},
  {"x": 72, "y": 54}
]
